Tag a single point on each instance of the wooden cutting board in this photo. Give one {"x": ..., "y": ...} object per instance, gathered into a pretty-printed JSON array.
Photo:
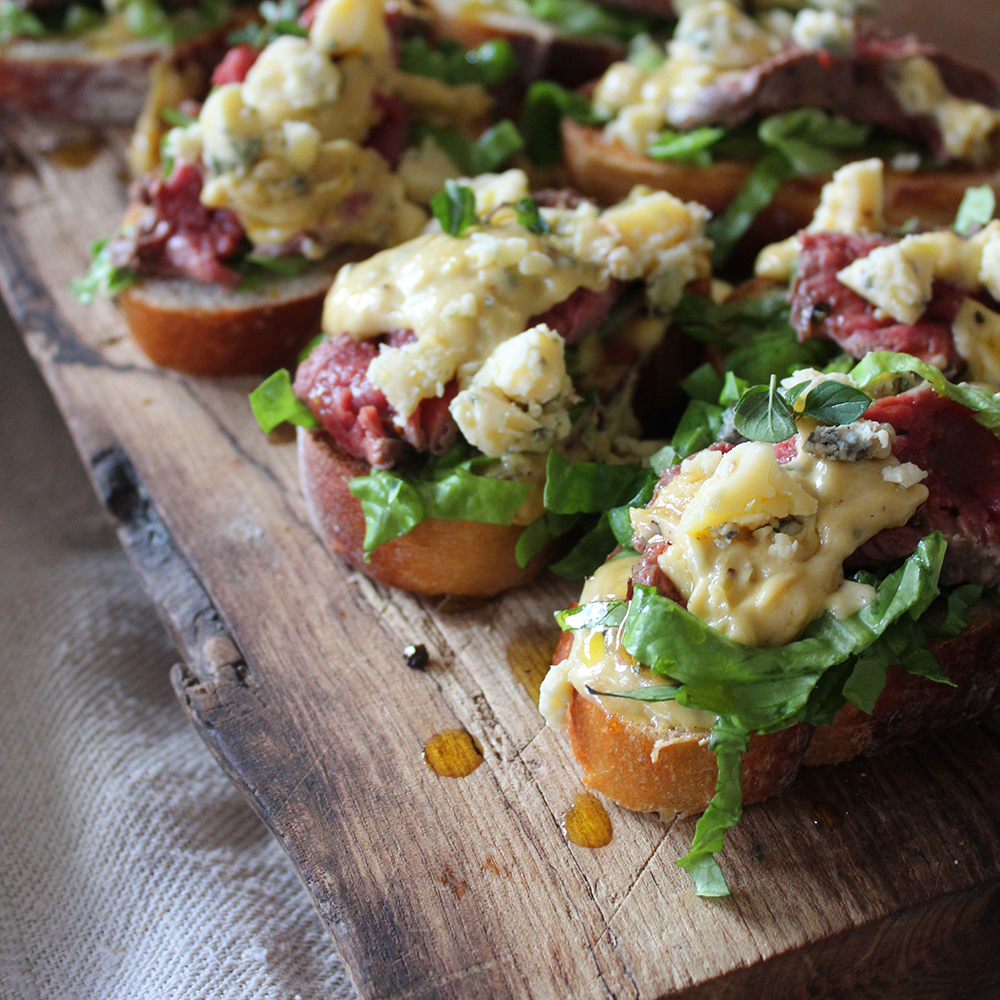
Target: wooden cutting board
[{"x": 875, "y": 879}]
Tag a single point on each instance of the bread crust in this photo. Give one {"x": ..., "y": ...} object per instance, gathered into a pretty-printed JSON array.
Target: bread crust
[
  {"x": 623, "y": 762},
  {"x": 457, "y": 558},
  {"x": 202, "y": 330},
  {"x": 640, "y": 771},
  {"x": 608, "y": 170},
  {"x": 678, "y": 776}
]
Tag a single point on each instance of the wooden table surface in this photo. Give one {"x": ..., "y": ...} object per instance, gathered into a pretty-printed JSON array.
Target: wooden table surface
[{"x": 875, "y": 879}]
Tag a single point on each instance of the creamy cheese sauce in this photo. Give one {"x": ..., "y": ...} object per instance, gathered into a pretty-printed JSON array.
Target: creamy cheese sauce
[
  {"x": 283, "y": 149},
  {"x": 597, "y": 661},
  {"x": 469, "y": 298},
  {"x": 461, "y": 296},
  {"x": 757, "y": 549},
  {"x": 711, "y": 39}
]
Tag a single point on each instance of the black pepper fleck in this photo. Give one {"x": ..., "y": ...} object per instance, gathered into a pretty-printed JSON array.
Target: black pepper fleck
[{"x": 416, "y": 657}]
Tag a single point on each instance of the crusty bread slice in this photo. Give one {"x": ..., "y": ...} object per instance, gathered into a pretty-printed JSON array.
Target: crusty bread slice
[
  {"x": 68, "y": 79},
  {"x": 625, "y": 762},
  {"x": 608, "y": 170},
  {"x": 457, "y": 558},
  {"x": 210, "y": 330},
  {"x": 640, "y": 771}
]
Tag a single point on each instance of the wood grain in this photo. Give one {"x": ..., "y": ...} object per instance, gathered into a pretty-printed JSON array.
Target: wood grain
[{"x": 467, "y": 888}]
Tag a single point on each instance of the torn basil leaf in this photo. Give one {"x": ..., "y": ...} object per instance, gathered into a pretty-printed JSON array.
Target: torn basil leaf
[
  {"x": 834, "y": 402},
  {"x": 686, "y": 147}
]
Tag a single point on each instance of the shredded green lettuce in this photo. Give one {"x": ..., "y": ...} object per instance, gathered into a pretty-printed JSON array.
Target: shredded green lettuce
[
  {"x": 488, "y": 65},
  {"x": 545, "y": 105},
  {"x": 15, "y": 22},
  {"x": 767, "y": 689},
  {"x": 582, "y": 17},
  {"x": 879, "y": 367},
  {"x": 447, "y": 488},
  {"x": 102, "y": 277},
  {"x": 476, "y": 156},
  {"x": 977, "y": 208}
]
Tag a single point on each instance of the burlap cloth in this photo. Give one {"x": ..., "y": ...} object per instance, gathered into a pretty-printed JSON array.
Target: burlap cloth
[{"x": 129, "y": 866}]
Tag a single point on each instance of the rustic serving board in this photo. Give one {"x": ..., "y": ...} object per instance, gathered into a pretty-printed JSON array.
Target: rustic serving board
[{"x": 875, "y": 879}]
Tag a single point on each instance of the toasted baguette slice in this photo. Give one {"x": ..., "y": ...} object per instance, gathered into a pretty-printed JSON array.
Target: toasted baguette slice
[
  {"x": 67, "y": 79},
  {"x": 458, "y": 558},
  {"x": 209, "y": 330},
  {"x": 625, "y": 762},
  {"x": 910, "y": 706},
  {"x": 608, "y": 170},
  {"x": 641, "y": 771}
]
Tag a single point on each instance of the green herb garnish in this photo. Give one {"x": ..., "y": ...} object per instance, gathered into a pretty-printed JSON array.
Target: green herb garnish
[{"x": 455, "y": 208}]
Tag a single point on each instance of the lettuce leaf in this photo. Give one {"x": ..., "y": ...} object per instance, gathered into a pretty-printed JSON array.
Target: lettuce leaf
[
  {"x": 102, "y": 277},
  {"x": 446, "y": 488},
  {"x": 881, "y": 365},
  {"x": 274, "y": 402},
  {"x": 769, "y": 689},
  {"x": 590, "y": 487}
]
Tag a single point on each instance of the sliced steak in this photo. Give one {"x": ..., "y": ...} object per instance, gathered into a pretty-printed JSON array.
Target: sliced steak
[
  {"x": 824, "y": 308},
  {"x": 856, "y": 86},
  {"x": 178, "y": 237},
  {"x": 582, "y": 313},
  {"x": 962, "y": 461},
  {"x": 333, "y": 382},
  {"x": 235, "y": 65},
  {"x": 391, "y": 135}
]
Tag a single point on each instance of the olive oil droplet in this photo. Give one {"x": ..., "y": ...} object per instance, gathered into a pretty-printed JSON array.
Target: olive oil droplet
[
  {"x": 587, "y": 824},
  {"x": 452, "y": 754},
  {"x": 75, "y": 153}
]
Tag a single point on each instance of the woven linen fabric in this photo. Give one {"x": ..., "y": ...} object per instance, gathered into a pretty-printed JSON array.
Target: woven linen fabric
[{"x": 130, "y": 867}]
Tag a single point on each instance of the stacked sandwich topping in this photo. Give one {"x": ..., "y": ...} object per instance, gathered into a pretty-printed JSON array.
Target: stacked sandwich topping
[
  {"x": 734, "y": 612},
  {"x": 300, "y": 148},
  {"x": 932, "y": 294},
  {"x": 489, "y": 314},
  {"x": 723, "y": 67}
]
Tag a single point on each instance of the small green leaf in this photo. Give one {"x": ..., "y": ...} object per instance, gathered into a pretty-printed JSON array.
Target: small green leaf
[
  {"x": 686, "y": 147},
  {"x": 274, "y": 402},
  {"x": 834, "y": 402},
  {"x": 529, "y": 216},
  {"x": 176, "y": 117},
  {"x": 454, "y": 208},
  {"x": 763, "y": 415},
  {"x": 977, "y": 208},
  {"x": 490, "y": 64}
]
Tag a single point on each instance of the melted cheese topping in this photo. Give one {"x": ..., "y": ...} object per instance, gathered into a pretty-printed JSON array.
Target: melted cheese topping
[
  {"x": 852, "y": 201},
  {"x": 596, "y": 660},
  {"x": 465, "y": 297},
  {"x": 757, "y": 549},
  {"x": 283, "y": 149},
  {"x": 969, "y": 131}
]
